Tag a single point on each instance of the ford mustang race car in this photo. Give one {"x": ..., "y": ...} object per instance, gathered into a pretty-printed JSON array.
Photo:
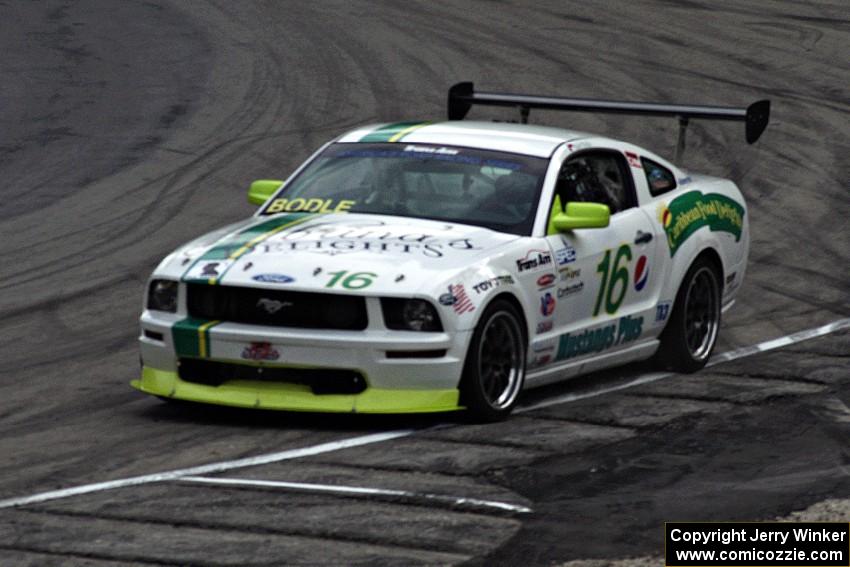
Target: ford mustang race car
[{"x": 422, "y": 267}]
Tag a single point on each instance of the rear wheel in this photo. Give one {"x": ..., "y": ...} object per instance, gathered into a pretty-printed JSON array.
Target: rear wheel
[
  {"x": 691, "y": 332},
  {"x": 494, "y": 372}
]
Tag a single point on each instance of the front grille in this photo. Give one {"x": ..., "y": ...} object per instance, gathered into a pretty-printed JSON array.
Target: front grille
[
  {"x": 276, "y": 308},
  {"x": 320, "y": 380}
]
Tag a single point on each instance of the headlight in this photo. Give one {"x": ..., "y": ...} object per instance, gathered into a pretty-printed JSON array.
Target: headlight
[
  {"x": 162, "y": 296},
  {"x": 410, "y": 315}
]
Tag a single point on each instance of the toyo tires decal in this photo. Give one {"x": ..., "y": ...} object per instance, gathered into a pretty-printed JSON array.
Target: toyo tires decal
[
  {"x": 689, "y": 212},
  {"x": 215, "y": 262},
  {"x": 192, "y": 338},
  {"x": 392, "y": 132}
]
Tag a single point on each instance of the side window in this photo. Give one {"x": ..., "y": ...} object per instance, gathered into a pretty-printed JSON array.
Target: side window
[
  {"x": 596, "y": 177},
  {"x": 659, "y": 178}
]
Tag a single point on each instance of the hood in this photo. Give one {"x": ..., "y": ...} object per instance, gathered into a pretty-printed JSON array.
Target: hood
[{"x": 344, "y": 251}]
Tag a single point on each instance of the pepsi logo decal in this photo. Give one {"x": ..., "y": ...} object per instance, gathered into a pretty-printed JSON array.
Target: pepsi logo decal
[{"x": 641, "y": 273}]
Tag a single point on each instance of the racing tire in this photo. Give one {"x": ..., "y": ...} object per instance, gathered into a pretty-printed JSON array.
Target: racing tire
[
  {"x": 691, "y": 333},
  {"x": 494, "y": 372}
]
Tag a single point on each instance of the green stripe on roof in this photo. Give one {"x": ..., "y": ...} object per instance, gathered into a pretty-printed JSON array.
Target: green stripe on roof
[{"x": 388, "y": 131}]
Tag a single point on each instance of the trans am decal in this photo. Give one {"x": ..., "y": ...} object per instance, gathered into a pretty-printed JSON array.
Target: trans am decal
[{"x": 690, "y": 212}]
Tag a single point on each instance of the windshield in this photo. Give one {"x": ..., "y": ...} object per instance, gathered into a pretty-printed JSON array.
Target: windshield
[{"x": 495, "y": 190}]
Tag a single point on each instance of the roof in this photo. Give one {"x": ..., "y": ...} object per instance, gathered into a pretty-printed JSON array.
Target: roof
[{"x": 528, "y": 139}]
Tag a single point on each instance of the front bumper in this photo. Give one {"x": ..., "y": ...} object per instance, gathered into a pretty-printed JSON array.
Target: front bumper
[
  {"x": 393, "y": 384},
  {"x": 295, "y": 397}
]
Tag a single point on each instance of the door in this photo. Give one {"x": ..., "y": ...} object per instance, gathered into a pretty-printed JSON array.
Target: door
[{"x": 607, "y": 282}]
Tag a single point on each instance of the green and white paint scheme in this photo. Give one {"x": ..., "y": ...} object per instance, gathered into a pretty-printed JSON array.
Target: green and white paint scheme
[{"x": 554, "y": 275}]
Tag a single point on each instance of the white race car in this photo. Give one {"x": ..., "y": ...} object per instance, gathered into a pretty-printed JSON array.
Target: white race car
[{"x": 421, "y": 267}]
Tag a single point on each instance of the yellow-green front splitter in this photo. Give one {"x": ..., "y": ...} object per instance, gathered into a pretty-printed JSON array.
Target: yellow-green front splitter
[{"x": 295, "y": 397}]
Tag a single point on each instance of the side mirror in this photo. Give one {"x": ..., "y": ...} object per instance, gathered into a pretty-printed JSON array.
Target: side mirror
[
  {"x": 582, "y": 215},
  {"x": 262, "y": 190}
]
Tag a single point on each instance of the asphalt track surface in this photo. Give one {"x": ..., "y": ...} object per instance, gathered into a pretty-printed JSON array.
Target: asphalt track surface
[{"x": 128, "y": 128}]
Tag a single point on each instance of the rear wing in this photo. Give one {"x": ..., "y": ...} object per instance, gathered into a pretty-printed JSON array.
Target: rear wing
[{"x": 756, "y": 116}]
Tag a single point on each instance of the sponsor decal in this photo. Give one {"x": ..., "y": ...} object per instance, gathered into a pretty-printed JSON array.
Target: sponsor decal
[
  {"x": 486, "y": 285},
  {"x": 570, "y": 289},
  {"x": 685, "y": 180},
  {"x": 573, "y": 146},
  {"x": 541, "y": 360},
  {"x": 447, "y": 299},
  {"x": 569, "y": 273},
  {"x": 546, "y": 280},
  {"x": 641, "y": 274},
  {"x": 534, "y": 259},
  {"x": 272, "y": 306},
  {"x": 626, "y": 330},
  {"x": 544, "y": 326},
  {"x": 547, "y": 305},
  {"x": 634, "y": 160},
  {"x": 363, "y": 237},
  {"x": 662, "y": 311},
  {"x": 209, "y": 270},
  {"x": 247, "y": 266},
  {"x": 462, "y": 303},
  {"x": 301, "y": 205},
  {"x": 430, "y": 150},
  {"x": 260, "y": 351},
  {"x": 273, "y": 278},
  {"x": 693, "y": 210},
  {"x": 565, "y": 255},
  {"x": 543, "y": 347}
]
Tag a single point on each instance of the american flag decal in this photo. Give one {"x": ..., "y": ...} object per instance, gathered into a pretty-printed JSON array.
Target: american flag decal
[{"x": 462, "y": 302}]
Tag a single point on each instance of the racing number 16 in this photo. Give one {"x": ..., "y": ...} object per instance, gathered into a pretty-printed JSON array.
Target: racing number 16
[
  {"x": 619, "y": 279},
  {"x": 354, "y": 280}
]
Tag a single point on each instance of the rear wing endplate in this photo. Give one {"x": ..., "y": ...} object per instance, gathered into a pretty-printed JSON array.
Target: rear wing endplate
[{"x": 756, "y": 116}]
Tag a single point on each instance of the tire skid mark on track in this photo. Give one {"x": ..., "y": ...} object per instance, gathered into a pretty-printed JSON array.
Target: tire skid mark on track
[
  {"x": 293, "y": 531},
  {"x": 96, "y": 556},
  {"x": 386, "y": 436}
]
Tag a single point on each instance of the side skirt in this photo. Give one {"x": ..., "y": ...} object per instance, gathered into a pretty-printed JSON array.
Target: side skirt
[{"x": 558, "y": 372}]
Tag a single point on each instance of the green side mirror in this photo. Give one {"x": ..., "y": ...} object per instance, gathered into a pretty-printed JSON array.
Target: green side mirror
[
  {"x": 582, "y": 215},
  {"x": 262, "y": 189}
]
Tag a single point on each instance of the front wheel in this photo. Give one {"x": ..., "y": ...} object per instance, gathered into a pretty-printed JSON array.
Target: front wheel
[
  {"x": 691, "y": 332},
  {"x": 494, "y": 372}
]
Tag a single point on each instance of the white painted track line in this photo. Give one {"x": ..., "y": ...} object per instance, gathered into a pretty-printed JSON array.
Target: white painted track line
[
  {"x": 210, "y": 468},
  {"x": 359, "y": 490},
  {"x": 389, "y": 435}
]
